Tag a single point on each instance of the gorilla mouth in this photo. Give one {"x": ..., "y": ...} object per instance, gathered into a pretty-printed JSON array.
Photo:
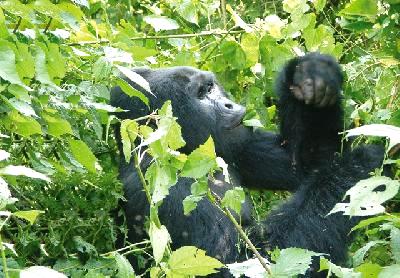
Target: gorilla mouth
[{"x": 237, "y": 121}]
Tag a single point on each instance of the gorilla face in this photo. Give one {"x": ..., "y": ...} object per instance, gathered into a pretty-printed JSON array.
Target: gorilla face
[{"x": 198, "y": 101}]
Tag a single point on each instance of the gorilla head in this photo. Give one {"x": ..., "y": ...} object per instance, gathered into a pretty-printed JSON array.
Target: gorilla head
[{"x": 198, "y": 101}]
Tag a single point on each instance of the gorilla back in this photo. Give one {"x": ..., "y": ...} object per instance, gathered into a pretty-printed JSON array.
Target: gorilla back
[{"x": 300, "y": 159}]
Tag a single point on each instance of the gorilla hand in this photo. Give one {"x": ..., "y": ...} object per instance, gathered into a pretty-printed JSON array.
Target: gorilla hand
[{"x": 316, "y": 80}]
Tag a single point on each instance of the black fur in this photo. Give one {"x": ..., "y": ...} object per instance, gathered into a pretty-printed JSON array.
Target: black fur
[{"x": 300, "y": 159}]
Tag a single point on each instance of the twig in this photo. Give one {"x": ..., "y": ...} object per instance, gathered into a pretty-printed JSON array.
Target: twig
[
  {"x": 215, "y": 199},
  {"x": 48, "y": 25},
  {"x": 17, "y": 25},
  {"x": 223, "y": 9},
  {"x": 160, "y": 37},
  {"x": 141, "y": 177}
]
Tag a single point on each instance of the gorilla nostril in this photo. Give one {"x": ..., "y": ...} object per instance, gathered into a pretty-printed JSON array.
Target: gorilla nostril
[{"x": 228, "y": 105}]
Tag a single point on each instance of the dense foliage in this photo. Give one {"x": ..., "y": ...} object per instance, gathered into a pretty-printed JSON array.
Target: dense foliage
[{"x": 58, "y": 60}]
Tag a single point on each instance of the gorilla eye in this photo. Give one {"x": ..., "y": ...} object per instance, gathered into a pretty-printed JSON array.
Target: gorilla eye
[{"x": 204, "y": 90}]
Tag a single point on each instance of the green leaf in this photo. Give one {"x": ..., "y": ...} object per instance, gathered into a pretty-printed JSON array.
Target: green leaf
[
  {"x": 8, "y": 69},
  {"x": 24, "y": 126},
  {"x": 366, "y": 8},
  {"x": 55, "y": 63},
  {"x": 12, "y": 170},
  {"x": 319, "y": 5},
  {"x": 129, "y": 132},
  {"x": 359, "y": 255},
  {"x": 200, "y": 161},
  {"x": 372, "y": 220},
  {"x": 365, "y": 199},
  {"x": 249, "y": 268},
  {"x": 250, "y": 43},
  {"x": 187, "y": 9},
  {"x": 124, "y": 267},
  {"x": 159, "y": 22},
  {"x": 135, "y": 78},
  {"x": 42, "y": 72},
  {"x": 56, "y": 126},
  {"x": 233, "y": 54},
  {"x": 29, "y": 215},
  {"x": 101, "y": 69},
  {"x": 295, "y": 6},
  {"x": 40, "y": 271},
  {"x": 130, "y": 91},
  {"x": 340, "y": 272},
  {"x": 19, "y": 92},
  {"x": 190, "y": 260},
  {"x": 25, "y": 62},
  {"x": 382, "y": 130},
  {"x": 163, "y": 178},
  {"x": 234, "y": 199},
  {"x": 159, "y": 238},
  {"x": 190, "y": 203},
  {"x": 174, "y": 137},
  {"x": 390, "y": 271},
  {"x": 369, "y": 270},
  {"x": 292, "y": 261},
  {"x": 83, "y": 154},
  {"x": 3, "y": 27},
  {"x": 395, "y": 243},
  {"x": 199, "y": 187}
]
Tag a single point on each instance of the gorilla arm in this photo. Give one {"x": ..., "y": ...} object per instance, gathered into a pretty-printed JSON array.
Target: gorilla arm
[{"x": 310, "y": 121}]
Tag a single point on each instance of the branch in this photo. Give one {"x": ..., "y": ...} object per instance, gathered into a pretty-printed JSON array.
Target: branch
[
  {"x": 215, "y": 199},
  {"x": 160, "y": 37}
]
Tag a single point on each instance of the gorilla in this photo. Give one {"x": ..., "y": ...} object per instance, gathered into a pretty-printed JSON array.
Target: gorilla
[{"x": 302, "y": 158}]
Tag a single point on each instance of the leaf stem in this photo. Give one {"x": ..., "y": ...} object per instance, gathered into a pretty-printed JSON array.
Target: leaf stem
[
  {"x": 3, "y": 258},
  {"x": 141, "y": 177},
  {"x": 159, "y": 37},
  {"x": 217, "y": 201}
]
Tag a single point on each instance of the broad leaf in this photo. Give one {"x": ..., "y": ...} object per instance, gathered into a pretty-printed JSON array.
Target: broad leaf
[
  {"x": 29, "y": 215},
  {"x": 200, "y": 161},
  {"x": 367, "y": 196},
  {"x": 83, "y": 154},
  {"x": 190, "y": 260}
]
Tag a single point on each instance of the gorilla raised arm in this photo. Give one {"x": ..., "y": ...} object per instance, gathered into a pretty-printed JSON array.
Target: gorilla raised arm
[{"x": 310, "y": 111}]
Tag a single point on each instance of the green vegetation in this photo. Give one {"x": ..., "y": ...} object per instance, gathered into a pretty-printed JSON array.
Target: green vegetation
[{"x": 58, "y": 60}]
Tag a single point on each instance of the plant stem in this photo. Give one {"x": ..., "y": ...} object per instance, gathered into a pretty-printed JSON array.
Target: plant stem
[
  {"x": 217, "y": 201},
  {"x": 3, "y": 257},
  {"x": 141, "y": 177},
  {"x": 177, "y": 36}
]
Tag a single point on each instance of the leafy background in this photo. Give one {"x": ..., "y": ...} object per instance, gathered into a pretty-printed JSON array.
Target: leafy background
[{"x": 60, "y": 58}]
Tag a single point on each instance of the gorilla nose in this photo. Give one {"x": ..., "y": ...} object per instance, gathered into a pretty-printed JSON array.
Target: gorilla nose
[{"x": 231, "y": 107}]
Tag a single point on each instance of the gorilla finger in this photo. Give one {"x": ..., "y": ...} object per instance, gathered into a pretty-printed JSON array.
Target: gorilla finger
[
  {"x": 327, "y": 98},
  {"x": 308, "y": 90},
  {"x": 320, "y": 89},
  {"x": 333, "y": 100},
  {"x": 297, "y": 92}
]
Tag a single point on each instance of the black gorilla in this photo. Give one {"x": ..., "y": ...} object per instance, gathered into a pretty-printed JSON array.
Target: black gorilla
[{"x": 300, "y": 159}]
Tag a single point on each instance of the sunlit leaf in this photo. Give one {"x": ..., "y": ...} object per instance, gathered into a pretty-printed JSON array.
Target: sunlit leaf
[
  {"x": 40, "y": 271},
  {"x": 124, "y": 267},
  {"x": 200, "y": 161},
  {"x": 190, "y": 260},
  {"x": 159, "y": 22},
  {"x": 382, "y": 130},
  {"x": 159, "y": 238},
  {"x": 83, "y": 154},
  {"x": 233, "y": 199},
  {"x": 366, "y": 198},
  {"x": 29, "y": 215},
  {"x": 22, "y": 171}
]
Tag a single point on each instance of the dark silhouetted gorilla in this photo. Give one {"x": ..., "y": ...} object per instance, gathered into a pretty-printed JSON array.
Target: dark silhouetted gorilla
[{"x": 300, "y": 159}]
